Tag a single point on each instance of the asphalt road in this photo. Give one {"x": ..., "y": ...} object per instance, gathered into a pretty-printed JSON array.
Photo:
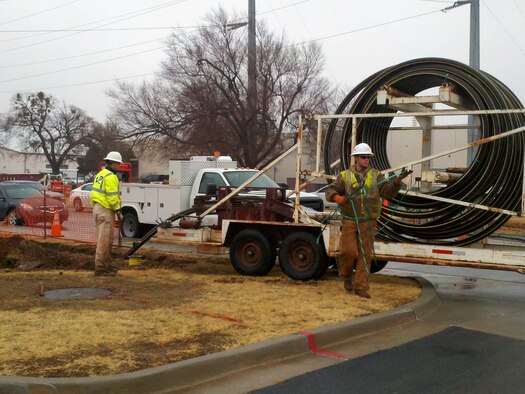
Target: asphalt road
[{"x": 473, "y": 342}]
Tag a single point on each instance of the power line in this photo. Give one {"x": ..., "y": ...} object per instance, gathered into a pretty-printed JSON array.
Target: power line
[
  {"x": 311, "y": 35},
  {"x": 504, "y": 29},
  {"x": 127, "y": 16},
  {"x": 313, "y": 40},
  {"x": 369, "y": 27},
  {"x": 127, "y": 46},
  {"x": 82, "y": 65},
  {"x": 96, "y": 29},
  {"x": 37, "y": 13},
  {"x": 80, "y": 55},
  {"x": 83, "y": 83},
  {"x": 519, "y": 8}
]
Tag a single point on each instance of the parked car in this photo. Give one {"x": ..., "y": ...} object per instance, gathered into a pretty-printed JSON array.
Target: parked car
[
  {"x": 37, "y": 185},
  {"x": 155, "y": 178},
  {"x": 320, "y": 193},
  {"x": 21, "y": 203},
  {"x": 81, "y": 197}
]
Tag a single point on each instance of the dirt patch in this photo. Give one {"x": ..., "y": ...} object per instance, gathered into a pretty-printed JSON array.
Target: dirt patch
[{"x": 173, "y": 307}]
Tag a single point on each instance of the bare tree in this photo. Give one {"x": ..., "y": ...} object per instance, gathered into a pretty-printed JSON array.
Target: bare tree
[
  {"x": 198, "y": 104},
  {"x": 103, "y": 139},
  {"x": 59, "y": 131}
]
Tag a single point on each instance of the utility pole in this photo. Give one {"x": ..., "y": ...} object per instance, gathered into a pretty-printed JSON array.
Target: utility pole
[
  {"x": 474, "y": 29},
  {"x": 252, "y": 77},
  {"x": 474, "y": 34},
  {"x": 473, "y": 133}
]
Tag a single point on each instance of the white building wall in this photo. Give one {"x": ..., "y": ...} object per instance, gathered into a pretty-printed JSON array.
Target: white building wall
[
  {"x": 405, "y": 146},
  {"x": 14, "y": 162}
]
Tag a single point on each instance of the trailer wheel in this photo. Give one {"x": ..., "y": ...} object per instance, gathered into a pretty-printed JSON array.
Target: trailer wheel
[
  {"x": 251, "y": 253},
  {"x": 14, "y": 218},
  {"x": 378, "y": 265},
  {"x": 301, "y": 257},
  {"x": 130, "y": 226}
]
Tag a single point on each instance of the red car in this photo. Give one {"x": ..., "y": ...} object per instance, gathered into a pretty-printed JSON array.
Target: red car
[{"x": 23, "y": 204}]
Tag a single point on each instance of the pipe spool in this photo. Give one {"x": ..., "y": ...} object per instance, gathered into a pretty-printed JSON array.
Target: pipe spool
[{"x": 494, "y": 178}]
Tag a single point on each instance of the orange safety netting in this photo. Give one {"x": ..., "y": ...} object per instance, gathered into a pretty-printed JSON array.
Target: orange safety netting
[{"x": 47, "y": 217}]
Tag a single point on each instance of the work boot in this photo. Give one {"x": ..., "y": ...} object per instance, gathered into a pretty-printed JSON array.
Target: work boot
[
  {"x": 348, "y": 285},
  {"x": 362, "y": 293}
]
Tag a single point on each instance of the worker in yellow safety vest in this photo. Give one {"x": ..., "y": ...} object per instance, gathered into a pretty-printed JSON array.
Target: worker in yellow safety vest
[
  {"x": 358, "y": 192},
  {"x": 105, "y": 199}
]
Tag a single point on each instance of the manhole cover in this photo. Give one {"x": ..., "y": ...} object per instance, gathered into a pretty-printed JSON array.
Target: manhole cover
[{"x": 81, "y": 292}]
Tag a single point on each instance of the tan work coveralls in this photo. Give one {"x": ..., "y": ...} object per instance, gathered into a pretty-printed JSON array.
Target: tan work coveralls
[
  {"x": 363, "y": 216},
  {"x": 105, "y": 199}
]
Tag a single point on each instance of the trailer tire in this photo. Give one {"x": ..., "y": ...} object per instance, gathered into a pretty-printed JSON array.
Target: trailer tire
[
  {"x": 378, "y": 265},
  {"x": 130, "y": 226},
  {"x": 251, "y": 253},
  {"x": 301, "y": 257},
  {"x": 14, "y": 218}
]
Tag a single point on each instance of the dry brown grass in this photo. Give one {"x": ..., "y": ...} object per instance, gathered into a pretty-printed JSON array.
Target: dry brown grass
[{"x": 178, "y": 307}]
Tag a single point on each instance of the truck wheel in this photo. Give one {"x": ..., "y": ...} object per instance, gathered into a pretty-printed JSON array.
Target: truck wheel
[
  {"x": 378, "y": 265},
  {"x": 130, "y": 226},
  {"x": 77, "y": 204},
  {"x": 14, "y": 219},
  {"x": 302, "y": 258},
  {"x": 251, "y": 253}
]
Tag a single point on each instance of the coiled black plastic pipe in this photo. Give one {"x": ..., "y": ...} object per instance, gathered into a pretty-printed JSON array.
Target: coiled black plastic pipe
[{"x": 495, "y": 177}]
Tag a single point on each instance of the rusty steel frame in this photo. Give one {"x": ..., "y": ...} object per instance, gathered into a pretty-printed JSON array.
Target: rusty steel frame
[
  {"x": 452, "y": 263},
  {"x": 355, "y": 117}
]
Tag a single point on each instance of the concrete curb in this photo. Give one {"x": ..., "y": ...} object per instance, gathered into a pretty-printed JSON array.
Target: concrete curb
[{"x": 187, "y": 373}]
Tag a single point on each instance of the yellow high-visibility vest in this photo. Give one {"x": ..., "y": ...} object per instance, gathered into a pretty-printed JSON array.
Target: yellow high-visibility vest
[
  {"x": 106, "y": 190},
  {"x": 372, "y": 208}
]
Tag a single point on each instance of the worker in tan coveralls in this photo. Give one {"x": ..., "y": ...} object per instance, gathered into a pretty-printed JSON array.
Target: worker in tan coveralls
[
  {"x": 105, "y": 199},
  {"x": 358, "y": 185}
]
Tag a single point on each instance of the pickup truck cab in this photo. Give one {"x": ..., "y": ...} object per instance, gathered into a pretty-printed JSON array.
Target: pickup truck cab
[{"x": 236, "y": 177}]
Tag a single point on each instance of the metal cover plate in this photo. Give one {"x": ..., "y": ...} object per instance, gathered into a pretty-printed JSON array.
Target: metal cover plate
[{"x": 75, "y": 293}]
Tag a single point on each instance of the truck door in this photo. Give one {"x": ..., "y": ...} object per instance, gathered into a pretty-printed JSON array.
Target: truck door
[{"x": 210, "y": 178}]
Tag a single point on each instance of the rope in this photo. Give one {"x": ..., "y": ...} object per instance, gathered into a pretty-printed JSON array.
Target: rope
[{"x": 350, "y": 198}]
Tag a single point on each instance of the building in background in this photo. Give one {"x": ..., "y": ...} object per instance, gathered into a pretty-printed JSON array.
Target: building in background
[{"x": 13, "y": 162}]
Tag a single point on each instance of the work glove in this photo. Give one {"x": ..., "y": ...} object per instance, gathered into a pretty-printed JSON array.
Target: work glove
[
  {"x": 341, "y": 200},
  {"x": 119, "y": 216},
  {"x": 403, "y": 174}
]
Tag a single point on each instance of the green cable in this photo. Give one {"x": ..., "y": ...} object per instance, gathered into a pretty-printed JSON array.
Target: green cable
[{"x": 350, "y": 199}]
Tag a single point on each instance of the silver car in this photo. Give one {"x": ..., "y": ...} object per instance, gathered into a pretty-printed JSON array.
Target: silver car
[{"x": 327, "y": 204}]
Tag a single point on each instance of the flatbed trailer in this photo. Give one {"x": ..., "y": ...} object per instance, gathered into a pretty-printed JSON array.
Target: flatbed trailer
[{"x": 307, "y": 245}]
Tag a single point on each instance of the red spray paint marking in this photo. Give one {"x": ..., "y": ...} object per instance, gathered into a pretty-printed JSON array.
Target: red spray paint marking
[
  {"x": 314, "y": 349},
  {"x": 227, "y": 318}
]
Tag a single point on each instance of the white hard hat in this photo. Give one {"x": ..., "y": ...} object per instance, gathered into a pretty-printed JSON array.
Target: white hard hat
[
  {"x": 114, "y": 156},
  {"x": 362, "y": 149}
]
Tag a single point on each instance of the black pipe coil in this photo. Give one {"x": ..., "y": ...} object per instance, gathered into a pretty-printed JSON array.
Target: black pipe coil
[{"x": 494, "y": 178}]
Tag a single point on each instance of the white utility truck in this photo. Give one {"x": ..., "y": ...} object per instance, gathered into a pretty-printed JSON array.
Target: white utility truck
[
  {"x": 145, "y": 205},
  {"x": 252, "y": 217}
]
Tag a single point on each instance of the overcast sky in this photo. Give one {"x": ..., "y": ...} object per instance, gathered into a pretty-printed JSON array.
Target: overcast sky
[{"x": 358, "y": 39}]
